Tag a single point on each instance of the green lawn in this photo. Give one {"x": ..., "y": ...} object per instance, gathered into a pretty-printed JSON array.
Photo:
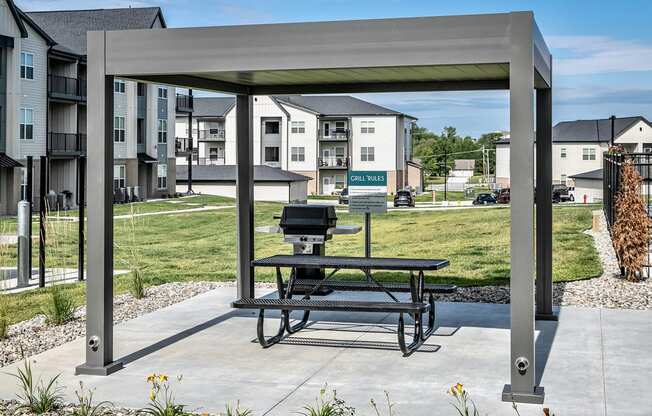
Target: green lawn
[{"x": 202, "y": 246}]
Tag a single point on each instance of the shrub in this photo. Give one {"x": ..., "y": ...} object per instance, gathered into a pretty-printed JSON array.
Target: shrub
[
  {"x": 133, "y": 259},
  {"x": 161, "y": 398},
  {"x": 236, "y": 411},
  {"x": 85, "y": 406},
  {"x": 37, "y": 397},
  {"x": 60, "y": 307},
  {"x": 137, "y": 285},
  {"x": 630, "y": 231}
]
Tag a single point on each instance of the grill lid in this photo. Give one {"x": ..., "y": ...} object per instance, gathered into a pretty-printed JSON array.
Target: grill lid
[{"x": 307, "y": 219}]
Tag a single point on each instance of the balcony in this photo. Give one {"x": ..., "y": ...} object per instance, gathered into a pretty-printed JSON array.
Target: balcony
[
  {"x": 185, "y": 103},
  {"x": 334, "y": 162},
  {"x": 334, "y": 135},
  {"x": 204, "y": 161},
  {"x": 66, "y": 144},
  {"x": 66, "y": 88},
  {"x": 211, "y": 135}
]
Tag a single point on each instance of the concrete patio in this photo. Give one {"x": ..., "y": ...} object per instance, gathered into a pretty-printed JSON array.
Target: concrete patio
[{"x": 590, "y": 361}]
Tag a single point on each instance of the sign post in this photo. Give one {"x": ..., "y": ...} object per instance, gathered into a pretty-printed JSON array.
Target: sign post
[{"x": 367, "y": 194}]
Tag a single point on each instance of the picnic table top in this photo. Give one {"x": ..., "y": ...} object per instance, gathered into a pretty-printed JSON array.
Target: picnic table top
[{"x": 344, "y": 262}]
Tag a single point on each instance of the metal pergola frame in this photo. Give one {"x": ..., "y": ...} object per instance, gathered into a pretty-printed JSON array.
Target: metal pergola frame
[{"x": 454, "y": 53}]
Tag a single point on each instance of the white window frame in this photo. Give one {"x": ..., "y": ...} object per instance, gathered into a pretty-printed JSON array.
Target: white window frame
[
  {"x": 119, "y": 86},
  {"x": 298, "y": 154},
  {"x": 24, "y": 65},
  {"x": 162, "y": 176},
  {"x": 298, "y": 127},
  {"x": 162, "y": 93},
  {"x": 119, "y": 129},
  {"x": 119, "y": 177},
  {"x": 367, "y": 154},
  {"x": 564, "y": 179},
  {"x": 340, "y": 181},
  {"x": 368, "y": 127},
  {"x": 588, "y": 153},
  {"x": 563, "y": 153},
  {"x": 23, "y": 184},
  {"x": 162, "y": 129},
  {"x": 26, "y": 120}
]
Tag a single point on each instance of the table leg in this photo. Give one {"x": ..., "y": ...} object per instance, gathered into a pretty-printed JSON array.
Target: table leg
[{"x": 288, "y": 295}]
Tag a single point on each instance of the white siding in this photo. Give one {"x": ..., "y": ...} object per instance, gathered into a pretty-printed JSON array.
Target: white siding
[
  {"x": 264, "y": 107},
  {"x": 638, "y": 134},
  {"x": 273, "y": 191},
  {"x": 307, "y": 140},
  {"x": 383, "y": 141},
  {"x": 120, "y": 108}
]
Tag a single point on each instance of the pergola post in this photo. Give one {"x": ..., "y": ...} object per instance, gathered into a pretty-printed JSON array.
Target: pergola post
[
  {"x": 99, "y": 286},
  {"x": 521, "y": 115},
  {"x": 245, "y": 194},
  {"x": 544, "y": 291}
]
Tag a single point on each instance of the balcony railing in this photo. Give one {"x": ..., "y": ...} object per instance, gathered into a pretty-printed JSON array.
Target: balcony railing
[
  {"x": 211, "y": 134},
  {"x": 66, "y": 87},
  {"x": 66, "y": 144},
  {"x": 334, "y": 135},
  {"x": 185, "y": 103},
  {"x": 209, "y": 161},
  {"x": 334, "y": 162}
]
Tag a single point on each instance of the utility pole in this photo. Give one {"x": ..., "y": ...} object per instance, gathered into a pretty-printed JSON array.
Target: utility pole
[
  {"x": 445, "y": 170},
  {"x": 613, "y": 129}
]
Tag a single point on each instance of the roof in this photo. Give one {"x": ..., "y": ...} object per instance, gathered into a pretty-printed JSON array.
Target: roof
[
  {"x": 596, "y": 130},
  {"x": 464, "y": 164},
  {"x": 337, "y": 105},
  {"x": 16, "y": 15},
  {"x": 7, "y": 162},
  {"x": 227, "y": 173},
  {"x": 212, "y": 106},
  {"x": 68, "y": 27},
  {"x": 594, "y": 174}
]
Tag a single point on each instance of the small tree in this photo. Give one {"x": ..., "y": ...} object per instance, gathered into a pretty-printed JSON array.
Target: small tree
[{"x": 630, "y": 232}]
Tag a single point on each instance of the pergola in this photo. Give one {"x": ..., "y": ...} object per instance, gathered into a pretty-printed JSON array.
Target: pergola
[{"x": 455, "y": 53}]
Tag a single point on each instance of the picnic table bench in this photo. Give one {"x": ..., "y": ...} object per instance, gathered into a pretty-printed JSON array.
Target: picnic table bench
[{"x": 416, "y": 307}]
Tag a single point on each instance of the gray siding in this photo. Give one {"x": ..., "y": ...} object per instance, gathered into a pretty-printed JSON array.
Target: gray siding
[
  {"x": 162, "y": 114},
  {"x": 3, "y": 100},
  {"x": 120, "y": 110}
]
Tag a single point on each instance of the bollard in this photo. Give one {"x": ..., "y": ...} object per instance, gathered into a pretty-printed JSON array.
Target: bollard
[{"x": 24, "y": 241}]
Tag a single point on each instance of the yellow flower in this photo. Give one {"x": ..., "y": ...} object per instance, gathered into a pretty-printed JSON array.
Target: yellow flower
[
  {"x": 459, "y": 387},
  {"x": 163, "y": 378},
  {"x": 152, "y": 395},
  {"x": 151, "y": 377}
]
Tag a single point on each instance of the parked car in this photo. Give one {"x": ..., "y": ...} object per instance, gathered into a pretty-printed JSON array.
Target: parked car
[
  {"x": 503, "y": 196},
  {"x": 561, "y": 193},
  {"x": 404, "y": 198},
  {"x": 484, "y": 199},
  {"x": 343, "y": 197}
]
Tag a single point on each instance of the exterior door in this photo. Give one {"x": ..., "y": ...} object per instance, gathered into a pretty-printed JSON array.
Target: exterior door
[
  {"x": 326, "y": 157},
  {"x": 327, "y": 129},
  {"x": 327, "y": 185}
]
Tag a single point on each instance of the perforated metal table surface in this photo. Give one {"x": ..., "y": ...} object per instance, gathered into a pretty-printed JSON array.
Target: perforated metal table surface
[{"x": 343, "y": 262}]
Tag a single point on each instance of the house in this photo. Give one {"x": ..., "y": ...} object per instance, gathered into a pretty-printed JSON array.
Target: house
[
  {"x": 577, "y": 150},
  {"x": 270, "y": 184},
  {"x": 321, "y": 137},
  {"x": 463, "y": 168},
  {"x": 43, "y": 104}
]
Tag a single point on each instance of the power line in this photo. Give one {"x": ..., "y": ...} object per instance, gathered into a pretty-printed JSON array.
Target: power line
[{"x": 456, "y": 153}]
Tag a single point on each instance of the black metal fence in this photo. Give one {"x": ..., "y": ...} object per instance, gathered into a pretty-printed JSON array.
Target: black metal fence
[
  {"x": 67, "y": 86},
  {"x": 612, "y": 179}
]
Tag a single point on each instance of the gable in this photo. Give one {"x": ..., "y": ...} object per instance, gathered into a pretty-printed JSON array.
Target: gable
[{"x": 10, "y": 24}]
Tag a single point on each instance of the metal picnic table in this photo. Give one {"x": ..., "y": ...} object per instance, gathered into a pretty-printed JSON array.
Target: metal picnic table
[{"x": 416, "y": 307}]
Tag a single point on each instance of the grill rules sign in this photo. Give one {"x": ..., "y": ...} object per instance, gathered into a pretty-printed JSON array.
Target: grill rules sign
[{"x": 367, "y": 191}]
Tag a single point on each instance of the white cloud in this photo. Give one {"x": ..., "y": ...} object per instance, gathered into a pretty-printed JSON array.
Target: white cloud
[{"x": 582, "y": 55}]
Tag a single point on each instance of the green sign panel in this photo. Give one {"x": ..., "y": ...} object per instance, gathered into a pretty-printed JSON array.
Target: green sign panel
[{"x": 367, "y": 178}]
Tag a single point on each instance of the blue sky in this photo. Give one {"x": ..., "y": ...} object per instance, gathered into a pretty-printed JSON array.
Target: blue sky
[{"x": 602, "y": 50}]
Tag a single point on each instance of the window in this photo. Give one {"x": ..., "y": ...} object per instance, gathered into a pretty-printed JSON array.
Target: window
[
  {"x": 26, "y": 124},
  {"x": 119, "y": 177},
  {"x": 271, "y": 154},
  {"x": 119, "y": 86},
  {"x": 339, "y": 126},
  {"x": 162, "y": 93},
  {"x": 563, "y": 153},
  {"x": 23, "y": 184},
  {"x": 563, "y": 179},
  {"x": 119, "y": 129},
  {"x": 367, "y": 154},
  {"x": 339, "y": 182},
  {"x": 367, "y": 127},
  {"x": 298, "y": 127},
  {"x": 647, "y": 147},
  {"x": 339, "y": 151},
  {"x": 162, "y": 176},
  {"x": 298, "y": 154},
  {"x": 162, "y": 131},
  {"x": 26, "y": 65},
  {"x": 212, "y": 153},
  {"x": 141, "y": 89},
  {"x": 588, "y": 153},
  {"x": 272, "y": 127}
]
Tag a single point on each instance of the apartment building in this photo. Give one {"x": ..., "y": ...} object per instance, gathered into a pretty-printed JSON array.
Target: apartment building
[
  {"x": 43, "y": 105},
  {"x": 321, "y": 137},
  {"x": 577, "y": 150}
]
